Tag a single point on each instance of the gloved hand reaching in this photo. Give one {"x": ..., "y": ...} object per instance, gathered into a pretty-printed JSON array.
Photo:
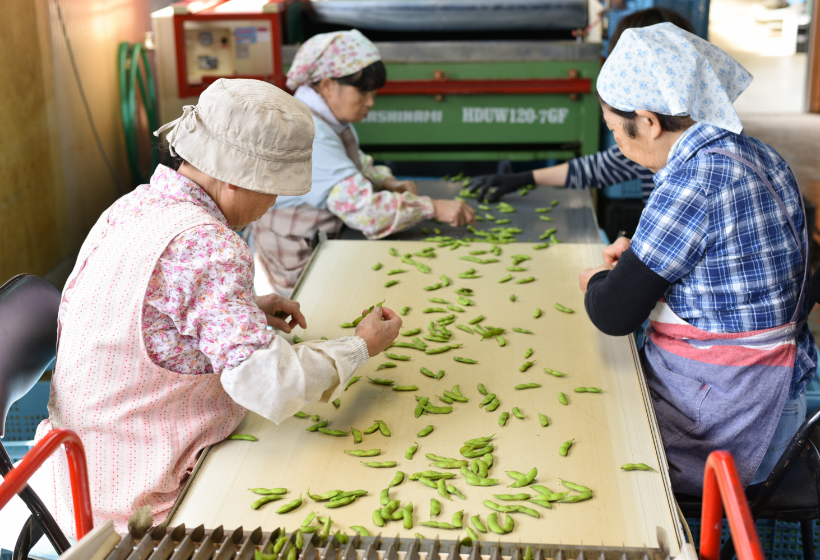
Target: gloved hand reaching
[{"x": 493, "y": 187}]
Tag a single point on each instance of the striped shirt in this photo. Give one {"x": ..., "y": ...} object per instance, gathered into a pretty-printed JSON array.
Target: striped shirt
[
  {"x": 712, "y": 228},
  {"x": 608, "y": 168}
]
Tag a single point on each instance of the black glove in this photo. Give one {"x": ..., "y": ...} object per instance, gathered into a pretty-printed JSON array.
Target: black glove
[{"x": 493, "y": 187}]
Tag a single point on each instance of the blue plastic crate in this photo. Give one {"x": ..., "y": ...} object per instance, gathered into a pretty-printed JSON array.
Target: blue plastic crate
[
  {"x": 779, "y": 540},
  {"x": 24, "y": 417}
]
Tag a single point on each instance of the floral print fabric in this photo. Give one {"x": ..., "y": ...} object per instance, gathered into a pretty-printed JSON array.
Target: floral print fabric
[
  {"x": 200, "y": 314},
  {"x": 665, "y": 69},
  {"x": 331, "y": 55}
]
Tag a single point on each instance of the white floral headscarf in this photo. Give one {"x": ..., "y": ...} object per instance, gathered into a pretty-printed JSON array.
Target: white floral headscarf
[
  {"x": 664, "y": 69},
  {"x": 331, "y": 55}
]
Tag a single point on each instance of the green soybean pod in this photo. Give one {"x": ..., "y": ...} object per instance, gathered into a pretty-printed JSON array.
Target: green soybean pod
[
  {"x": 536, "y": 313},
  {"x": 522, "y": 386},
  {"x": 573, "y": 486},
  {"x": 526, "y": 280},
  {"x": 488, "y": 459},
  {"x": 398, "y": 479},
  {"x": 544, "y": 420},
  {"x": 506, "y": 279},
  {"x": 377, "y": 266},
  {"x": 384, "y": 429},
  {"x": 476, "y": 320},
  {"x": 487, "y": 400},
  {"x": 378, "y": 465},
  {"x": 515, "y": 475},
  {"x": 509, "y": 523},
  {"x": 637, "y": 467},
  {"x": 411, "y": 451},
  {"x": 492, "y": 522},
  {"x": 435, "y": 507},
  {"x": 594, "y": 390},
  {"x": 465, "y": 360},
  {"x": 408, "y": 518},
  {"x": 357, "y": 435},
  {"x": 390, "y": 283},
  {"x": 576, "y": 498},
  {"x": 501, "y": 340},
  {"x": 403, "y": 311},
  {"x": 266, "y": 499},
  {"x": 471, "y": 533},
  {"x": 526, "y": 365},
  {"x": 334, "y": 433},
  {"x": 427, "y": 482},
  {"x": 377, "y": 381},
  {"x": 512, "y": 297},
  {"x": 495, "y": 403},
  {"x": 560, "y": 307},
  {"x": 441, "y": 485},
  {"x": 363, "y": 452},
  {"x": 427, "y": 372},
  {"x": 512, "y": 497},
  {"x": 540, "y": 489},
  {"x": 517, "y": 413},
  {"x": 502, "y": 420},
  {"x": 339, "y": 502},
  {"x": 378, "y": 520},
  {"x": 426, "y": 431},
  {"x": 242, "y": 437},
  {"x": 527, "y": 353},
  {"x": 528, "y": 511},
  {"x": 372, "y": 428},
  {"x": 315, "y": 427},
  {"x": 527, "y": 479},
  {"x": 405, "y": 388},
  {"x": 384, "y": 497},
  {"x": 522, "y": 331},
  {"x": 481, "y": 389},
  {"x": 302, "y": 414},
  {"x": 476, "y": 521},
  {"x": 453, "y": 490},
  {"x": 361, "y": 530},
  {"x": 458, "y": 519},
  {"x": 445, "y": 399},
  {"x": 554, "y": 373},
  {"x": 564, "y": 448},
  {"x": 562, "y": 398},
  {"x": 352, "y": 381},
  {"x": 291, "y": 505},
  {"x": 444, "y": 280},
  {"x": 411, "y": 332},
  {"x": 580, "y": 389},
  {"x": 269, "y": 491}
]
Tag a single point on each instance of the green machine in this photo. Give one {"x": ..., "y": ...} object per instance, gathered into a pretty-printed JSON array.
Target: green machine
[{"x": 452, "y": 97}]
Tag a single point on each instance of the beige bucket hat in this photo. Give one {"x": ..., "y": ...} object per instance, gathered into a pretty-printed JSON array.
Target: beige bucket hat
[{"x": 247, "y": 133}]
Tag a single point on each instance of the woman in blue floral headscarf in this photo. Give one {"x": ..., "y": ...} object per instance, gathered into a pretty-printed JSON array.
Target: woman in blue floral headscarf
[{"x": 718, "y": 263}]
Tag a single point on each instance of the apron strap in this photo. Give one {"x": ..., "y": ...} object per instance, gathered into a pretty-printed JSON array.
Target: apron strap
[
  {"x": 348, "y": 141},
  {"x": 806, "y": 270}
]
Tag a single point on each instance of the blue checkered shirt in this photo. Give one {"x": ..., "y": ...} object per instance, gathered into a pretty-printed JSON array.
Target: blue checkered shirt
[{"x": 712, "y": 228}]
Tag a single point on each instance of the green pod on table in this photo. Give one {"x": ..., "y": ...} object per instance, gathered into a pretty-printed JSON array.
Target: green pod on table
[
  {"x": 478, "y": 524},
  {"x": 472, "y": 534},
  {"x": 509, "y": 524},
  {"x": 397, "y": 357},
  {"x": 437, "y": 300},
  {"x": 573, "y": 486},
  {"x": 479, "y": 481},
  {"x": 352, "y": 381},
  {"x": 384, "y": 429},
  {"x": 637, "y": 467},
  {"x": 528, "y": 511},
  {"x": 411, "y": 332},
  {"x": 398, "y": 479},
  {"x": 438, "y": 409},
  {"x": 341, "y": 501},
  {"x": 544, "y": 420},
  {"x": 408, "y": 454},
  {"x": 575, "y": 498},
  {"x": 403, "y": 311},
  {"x": 334, "y": 433},
  {"x": 444, "y": 280},
  {"x": 456, "y": 396},
  {"x": 512, "y": 297},
  {"x": 377, "y": 266},
  {"x": 526, "y": 280},
  {"x": 301, "y": 414},
  {"x": 270, "y": 491},
  {"x": 580, "y": 389},
  {"x": 541, "y": 502},
  {"x": 517, "y": 413},
  {"x": 435, "y": 507},
  {"x": 455, "y": 308},
  {"x": 440, "y": 350},
  {"x": 407, "y": 516},
  {"x": 495, "y": 403},
  {"x": 593, "y": 390},
  {"x": 432, "y": 287},
  {"x": 506, "y": 279},
  {"x": 526, "y": 479},
  {"x": 347, "y": 325},
  {"x": 562, "y": 398},
  {"x": 563, "y": 309},
  {"x": 266, "y": 500},
  {"x": 526, "y": 365},
  {"x": 405, "y": 388},
  {"x": 512, "y": 497},
  {"x": 487, "y": 400},
  {"x": 428, "y": 373},
  {"x": 378, "y": 520},
  {"x": 501, "y": 340},
  {"x": 465, "y": 328},
  {"x": 389, "y": 508},
  {"x": 465, "y": 360},
  {"x": 434, "y": 457},
  {"x": 441, "y": 486},
  {"x": 356, "y": 493},
  {"x": 433, "y": 310},
  {"x": 563, "y": 450},
  {"x": 377, "y": 381},
  {"x": 502, "y": 419},
  {"x": 315, "y": 427},
  {"x": 551, "y": 497},
  {"x": 390, "y": 283},
  {"x": 537, "y": 313},
  {"x": 445, "y": 399},
  {"x": 291, "y": 505},
  {"x": 498, "y": 507},
  {"x": 449, "y": 464},
  {"x": 361, "y": 530},
  {"x": 310, "y": 529},
  {"x": 483, "y": 469},
  {"x": 540, "y": 489},
  {"x": 384, "y": 497},
  {"x": 336, "y": 403},
  {"x": 522, "y": 386},
  {"x": 363, "y": 452},
  {"x": 458, "y": 519},
  {"x": 426, "y": 431},
  {"x": 453, "y": 490},
  {"x": 516, "y": 269},
  {"x": 488, "y": 458},
  {"x": 522, "y": 331},
  {"x": 379, "y": 465},
  {"x": 527, "y": 353},
  {"x": 476, "y": 320},
  {"x": 554, "y": 373},
  {"x": 482, "y": 389},
  {"x": 540, "y": 246},
  {"x": 436, "y": 525},
  {"x": 472, "y": 453},
  {"x": 396, "y": 271},
  {"x": 427, "y": 482}
]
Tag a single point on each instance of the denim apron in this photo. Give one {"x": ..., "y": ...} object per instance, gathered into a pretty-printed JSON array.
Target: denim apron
[{"x": 720, "y": 390}]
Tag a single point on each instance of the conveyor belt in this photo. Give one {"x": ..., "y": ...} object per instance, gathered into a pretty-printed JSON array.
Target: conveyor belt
[{"x": 453, "y": 15}]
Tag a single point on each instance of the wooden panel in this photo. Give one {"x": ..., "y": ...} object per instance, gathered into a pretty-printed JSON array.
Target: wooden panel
[{"x": 610, "y": 429}]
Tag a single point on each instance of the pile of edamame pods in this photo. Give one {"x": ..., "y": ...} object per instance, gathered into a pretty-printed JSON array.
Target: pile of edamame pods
[{"x": 453, "y": 305}]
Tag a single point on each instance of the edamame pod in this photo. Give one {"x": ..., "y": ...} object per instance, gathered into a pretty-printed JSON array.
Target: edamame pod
[
  {"x": 242, "y": 437},
  {"x": 502, "y": 420},
  {"x": 550, "y": 497},
  {"x": 390, "y": 283},
  {"x": 265, "y": 500},
  {"x": 441, "y": 485},
  {"x": 405, "y": 388},
  {"x": 637, "y": 467},
  {"x": 435, "y": 507},
  {"x": 493, "y": 405},
  {"x": 512, "y": 297},
  {"x": 564, "y": 448},
  {"x": 336, "y": 403},
  {"x": 455, "y": 308},
  {"x": 290, "y": 506},
  {"x": 522, "y": 386},
  {"x": 408, "y": 518},
  {"x": 458, "y": 521},
  {"x": 473, "y": 536},
  {"x": 526, "y": 365},
  {"x": 554, "y": 373},
  {"x": 387, "y": 510},
  {"x": 575, "y": 498},
  {"x": 444, "y": 280},
  {"x": 562, "y": 398},
  {"x": 378, "y": 465},
  {"x": 432, "y": 475},
  {"x": 573, "y": 486},
  {"x": 526, "y": 280},
  {"x": 544, "y": 420},
  {"x": 476, "y": 320},
  {"x": 536, "y": 313},
  {"x": 426, "y": 431},
  {"x": 398, "y": 479},
  {"x": 269, "y": 491},
  {"x": 481, "y": 389},
  {"x": 384, "y": 497},
  {"x": 445, "y": 399},
  {"x": 384, "y": 429},
  {"x": 506, "y": 279},
  {"x": 427, "y": 482},
  {"x": 512, "y": 497},
  {"x": 465, "y": 328},
  {"x": 397, "y": 357},
  {"x": 436, "y": 525},
  {"x": 527, "y": 353},
  {"x": 428, "y": 373},
  {"x": 303, "y": 415},
  {"x": 433, "y": 310},
  {"x": 363, "y": 452},
  {"x": 498, "y": 507},
  {"x": 432, "y": 287},
  {"x": 560, "y": 307},
  {"x": 315, "y": 427},
  {"x": 347, "y": 325},
  {"x": 396, "y": 271},
  {"x": 541, "y": 246},
  {"x": 465, "y": 360},
  {"x": 477, "y": 523},
  {"x": 522, "y": 331},
  {"x": 352, "y": 381},
  {"x": 411, "y": 451},
  {"x": 540, "y": 489},
  {"x": 449, "y": 464},
  {"x": 378, "y": 520},
  {"x": 453, "y": 490},
  {"x": 411, "y": 332},
  {"x": 501, "y": 340},
  {"x": 437, "y": 300},
  {"x": 487, "y": 400},
  {"x": 516, "y": 269},
  {"x": 377, "y": 266},
  {"x": 355, "y": 493},
  {"x": 438, "y": 409},
  {"x": 334, "y": 433},
  {"x": 339, "y": 502},
  {"x": 403, "y": 311},
  {"x": 385, "y": 365},
  {"x": 517, "y": 413},
  {"x": 373, "y": 428},
  {"x": 361, "y": 530},
  {"x": 377, "y": 381},
  {"x": 524, "y": 480}
]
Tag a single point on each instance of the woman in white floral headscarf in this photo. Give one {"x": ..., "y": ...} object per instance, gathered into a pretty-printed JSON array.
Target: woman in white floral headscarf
[
  {"x": 336, "y": 75},
  {"x": 719, "y": 262}
]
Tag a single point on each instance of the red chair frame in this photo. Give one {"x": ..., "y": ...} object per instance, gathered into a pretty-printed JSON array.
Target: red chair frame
[
  {"x": 722, "y": 487},
  {"x": 18, "y": 477}
]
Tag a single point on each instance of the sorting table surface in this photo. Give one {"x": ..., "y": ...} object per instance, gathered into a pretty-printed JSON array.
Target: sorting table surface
[
  {"x": 573, "y": 217},
  {"x": 610, "y": 428}
]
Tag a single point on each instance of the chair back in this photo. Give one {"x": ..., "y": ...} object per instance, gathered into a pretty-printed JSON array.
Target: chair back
[{"x": 28, "y": 336}]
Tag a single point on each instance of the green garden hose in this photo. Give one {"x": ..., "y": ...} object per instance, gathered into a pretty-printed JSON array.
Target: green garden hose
[{"x": 130, "y": 76}]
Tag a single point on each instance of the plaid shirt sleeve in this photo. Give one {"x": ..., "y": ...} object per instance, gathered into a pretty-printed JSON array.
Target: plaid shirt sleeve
[{"x": 672, "y": 234}]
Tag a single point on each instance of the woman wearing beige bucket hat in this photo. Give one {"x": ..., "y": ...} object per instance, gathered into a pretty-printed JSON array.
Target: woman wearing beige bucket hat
[
  {"x": 336, "y": 75},
  {"x": 163, "y": 346}
]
